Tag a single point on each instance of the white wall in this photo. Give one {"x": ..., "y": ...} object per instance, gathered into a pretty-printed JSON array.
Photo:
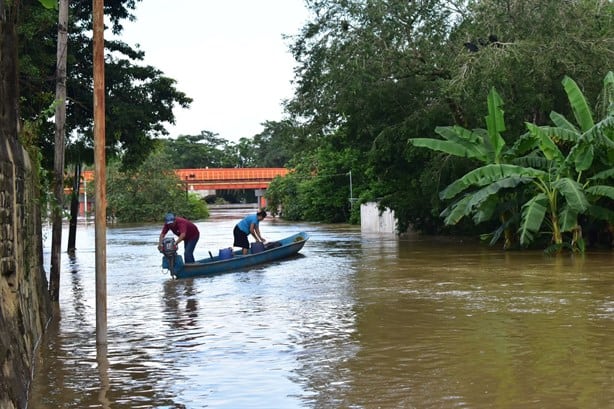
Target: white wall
[{"x": 372, "y": 222}]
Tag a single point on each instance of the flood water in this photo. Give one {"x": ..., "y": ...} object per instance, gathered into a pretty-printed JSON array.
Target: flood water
[{"x": 355, "y": 321}]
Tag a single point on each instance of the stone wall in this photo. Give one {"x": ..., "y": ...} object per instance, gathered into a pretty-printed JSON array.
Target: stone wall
[{"x": 24, "y": 300}]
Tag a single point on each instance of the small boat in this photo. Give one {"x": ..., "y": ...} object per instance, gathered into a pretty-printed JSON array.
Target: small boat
[{"x": 229, "y": 260}]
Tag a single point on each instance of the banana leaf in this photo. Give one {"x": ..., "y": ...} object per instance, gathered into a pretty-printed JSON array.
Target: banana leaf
[
  {"x": 458, "y": 134},
  {"x": 563, "y": 123},
  {"x": 582, "y": 156},
  {"x": 568, "y": 219},
  {"x": 456, "y": 211},
  {"x": 603, "y": 175},
  {"x": 573, "y": 193},
  {"x": 486, "y": 175},
  {"x": 607, "y": 95},
  {"x": 557, "y": 133},
  {"x": 485, "y": 211},
  {"x": 495, "y": 124},
  {"x": 601, "y": 213},
  {"x": 451, "y": 148},
  {"x": 478, "y": 197},
  {"x": 523, "y": 145},
  {"x": 533, "y": 213},
  {"x": 480, "y": 202},
  {"x": 579, "y": 106},
  {"x": 601, "y": 190},
  {"x": 546, "y": 145},
  {"x": 533, "y": 161}
]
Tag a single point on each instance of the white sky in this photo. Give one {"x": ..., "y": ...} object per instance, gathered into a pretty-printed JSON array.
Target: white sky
[{"x": 227, "y": 55}]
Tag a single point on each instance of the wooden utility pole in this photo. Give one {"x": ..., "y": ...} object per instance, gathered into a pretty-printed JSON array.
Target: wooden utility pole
[
  {"x": 100, "y": 223},
  {"x": 58, "y": 159}
]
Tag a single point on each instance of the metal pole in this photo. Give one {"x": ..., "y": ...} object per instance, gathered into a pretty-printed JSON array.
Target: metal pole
[
  {"x": 351, "y": 194},
  {"x": 100, "y": 174},
  {"x": 85, "y": 199}
]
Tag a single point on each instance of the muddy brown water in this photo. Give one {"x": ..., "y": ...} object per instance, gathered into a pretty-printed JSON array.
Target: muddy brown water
[{"x": 355, "y": 321}]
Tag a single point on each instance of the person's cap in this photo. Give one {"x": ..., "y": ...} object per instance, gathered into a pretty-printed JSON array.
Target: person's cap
[{"x": 169, "y": 218}]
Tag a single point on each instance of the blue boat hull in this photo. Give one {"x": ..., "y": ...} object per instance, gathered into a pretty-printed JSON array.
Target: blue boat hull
[{"x": 289, "y": 246}]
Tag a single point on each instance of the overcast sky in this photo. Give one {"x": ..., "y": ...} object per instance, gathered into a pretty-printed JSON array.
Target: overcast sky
[{"x": 227, "y": 55}]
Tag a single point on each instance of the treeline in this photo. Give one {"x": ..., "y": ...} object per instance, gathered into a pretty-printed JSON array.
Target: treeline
[{"x": 371, "y": 77}]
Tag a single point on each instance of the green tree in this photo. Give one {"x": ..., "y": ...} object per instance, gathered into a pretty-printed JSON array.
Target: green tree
[
  {"x": 524, "y": 49},
  {"x": 201, "y": 151},
  {"x": 277, "y": 144},
  {"x": 139, "y": 99},
  {"x": 317, "y": 188},
  {"x": 148, "y": 192},
  {"x": 372, "y": 75}
]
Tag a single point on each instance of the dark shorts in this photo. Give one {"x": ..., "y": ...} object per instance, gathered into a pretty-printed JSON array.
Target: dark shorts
[{"x": 240, "y": 238}]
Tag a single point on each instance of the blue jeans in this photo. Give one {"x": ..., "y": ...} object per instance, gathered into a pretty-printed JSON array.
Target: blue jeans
[{"x": 188, "y": 254}]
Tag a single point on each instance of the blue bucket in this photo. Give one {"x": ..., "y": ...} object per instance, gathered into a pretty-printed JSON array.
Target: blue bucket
[
  {"x": 225, "y": 254},
  {"x": 257, "y": 247}
]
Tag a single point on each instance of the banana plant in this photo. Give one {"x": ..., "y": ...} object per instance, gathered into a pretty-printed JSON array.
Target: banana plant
[
  {"x": 583, "y": 177},
  {"x": 555, "y": 182},
  {"x": 485, "y": 145},
  {"x": 494, "y": 177}
]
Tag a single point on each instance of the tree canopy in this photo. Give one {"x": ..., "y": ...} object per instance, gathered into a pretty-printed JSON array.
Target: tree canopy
[
  {"x": 371, "y": 75},
  {"x": 139, "y": 98}
]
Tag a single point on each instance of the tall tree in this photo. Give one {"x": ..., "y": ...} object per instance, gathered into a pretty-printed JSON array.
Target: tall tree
[
  {"x": 277, "y": 144},
  {"x": 371, "y": 75},
  {"x": 139, "y": 98},
  {"x": 157, "y": 192},
  {"x": 201, "y": 151}
]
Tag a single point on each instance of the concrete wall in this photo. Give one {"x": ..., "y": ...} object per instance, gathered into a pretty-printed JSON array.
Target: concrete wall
[
  {"x": 371, "y": 221},
  {"x": 24, "y": 301}
]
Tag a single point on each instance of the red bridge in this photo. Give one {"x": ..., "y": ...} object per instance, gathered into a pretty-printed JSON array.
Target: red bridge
[
  {"x": 229, "y": 178},
  {"x": 219, "y": 178},
  {"x": 205, "y": 182}
]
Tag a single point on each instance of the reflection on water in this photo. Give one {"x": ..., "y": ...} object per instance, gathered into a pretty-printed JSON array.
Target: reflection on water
[{"x": 358, "y": 321}]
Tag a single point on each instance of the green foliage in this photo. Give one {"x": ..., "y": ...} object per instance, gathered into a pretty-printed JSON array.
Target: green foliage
[
  {"x": 157, "y": 191},
  {"x": 206, "y": 150},
  {"x": 533, "y": 213},
  {"x": 29, "y": 138},
  {"x": 560, "y": 190},
  {"x": 371, "y": 75},
  {"x": 50, "y": 4},
  {"x": 139, "y": 99},
  {"x": 317, "y": 189},
  {"x": 276, "y": 145}
]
